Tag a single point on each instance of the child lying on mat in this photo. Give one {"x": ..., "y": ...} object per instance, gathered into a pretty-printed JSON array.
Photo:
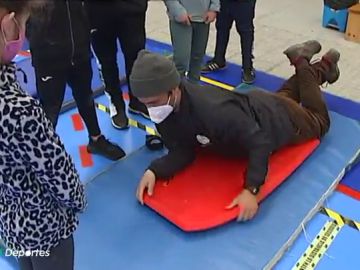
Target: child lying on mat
[{"x": 253, "y": 124}]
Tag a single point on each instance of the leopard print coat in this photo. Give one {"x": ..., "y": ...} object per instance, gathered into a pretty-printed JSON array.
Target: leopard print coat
[{"x": 40, "y": 191}]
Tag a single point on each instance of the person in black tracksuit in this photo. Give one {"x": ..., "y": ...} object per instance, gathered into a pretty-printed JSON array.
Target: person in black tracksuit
[
  {"x": 252, "y": 125},
  {"x": 114, "y": 20},
  {"x": 243, "y": 13},
  {"x": 60, "y": 48}
]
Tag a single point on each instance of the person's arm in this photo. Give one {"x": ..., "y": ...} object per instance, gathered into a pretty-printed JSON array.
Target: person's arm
[
  {"x": 259, "y": 149},
  {"x": 211, "y": 13},
  {"x": 175, "y": 9},
  {"x": 244, "y": 131},
  {"x": 178, "y": 157},
  {"x": 214, "y": 5},
  {"x": 36, "y": 144},
  {"x": 249, "y": 135}
]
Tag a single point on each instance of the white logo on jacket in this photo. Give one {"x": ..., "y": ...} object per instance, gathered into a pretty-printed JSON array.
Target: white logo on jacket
[{"x": 203, "y": 140}]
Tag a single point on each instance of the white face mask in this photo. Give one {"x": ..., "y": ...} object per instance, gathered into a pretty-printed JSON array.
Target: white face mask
[{"x": 160, "y": 113}]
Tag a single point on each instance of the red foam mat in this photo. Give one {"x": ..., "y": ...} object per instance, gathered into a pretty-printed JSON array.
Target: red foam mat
[{"x": 195, "y": 199}]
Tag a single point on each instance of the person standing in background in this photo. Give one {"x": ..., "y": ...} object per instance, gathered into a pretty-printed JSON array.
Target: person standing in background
[
  {"x": 243, "y": 13},
  {"x": 189, "y": 28},
  {"x": 60, "y": 50},
  {"x": 114, "y": 20}
]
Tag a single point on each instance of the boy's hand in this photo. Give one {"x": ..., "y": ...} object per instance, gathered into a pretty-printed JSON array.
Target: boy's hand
[
  {"x": 247, "y": 203},
  {"x": 147, "y": 182},
  {"x": 185, "y": 19},
  {"x": 210, "y": 16}
]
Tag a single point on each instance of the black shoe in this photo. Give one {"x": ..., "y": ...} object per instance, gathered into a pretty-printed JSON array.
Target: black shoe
[
  {"x": 105, "y": 148},
  {"x": 136, "y": 107},
  {"x": 117, "y": 111},
  {"x": 331, "y": 59},
  {"x": 118, "y": 116},
  {"x": 248, "y": 76},
  {"x": 306, "y": 50},
  {"x": 211, "y": 66}
]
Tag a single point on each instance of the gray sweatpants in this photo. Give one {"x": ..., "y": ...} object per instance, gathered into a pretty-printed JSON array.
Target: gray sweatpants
[
  {"x": 189, "y": 45},
  {"x": 61, "y": 258}
]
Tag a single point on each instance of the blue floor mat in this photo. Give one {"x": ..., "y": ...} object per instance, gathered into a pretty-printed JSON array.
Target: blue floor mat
[
  {"x": 130, "y": 140},
  {"x": 8, "y": 263},
  {"x": 133, "y": 237}
]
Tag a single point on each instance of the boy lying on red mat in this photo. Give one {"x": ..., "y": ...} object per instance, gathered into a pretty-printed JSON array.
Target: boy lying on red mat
[{"x": 252, "y": 125}]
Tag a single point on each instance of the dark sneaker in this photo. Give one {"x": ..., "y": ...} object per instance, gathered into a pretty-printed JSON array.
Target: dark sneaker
[
  {"x": 105, "y": 148},
  {"x": 212, "y": 66},
  {"x": 303, "y": 50},
  {"x": 248, "y": 75},
  {"x": 136, "y": 107},
  {"x": 118, "y": 116},
  {"x": 331, "y": 59},
  {"x": 117, "y": 111}
]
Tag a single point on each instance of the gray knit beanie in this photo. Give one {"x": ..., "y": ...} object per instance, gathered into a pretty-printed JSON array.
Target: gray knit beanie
[{"x": 152, "y": 75}]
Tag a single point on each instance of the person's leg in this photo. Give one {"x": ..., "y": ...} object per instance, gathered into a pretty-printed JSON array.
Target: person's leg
[
  {"x": 61, "y": 257},
  {"x": 290, "y": 89},
  {"x": 244, "y": 13},
  {"x": 199, "y": 42},
  {"x": 308, "y": 78},
  {"x": 311, "y": 97},
  {"x": 131, "y": 33},
  {"x": 50, "y": 85},
  {"x": 25, "y": 263},
  {"x": 80, "y": 82},
  {"x": 223, "y": 24},
  {"x": 307, "y": 50},
  {"x": 181, "y": 38},
  {"x": 104, "y": 43}
]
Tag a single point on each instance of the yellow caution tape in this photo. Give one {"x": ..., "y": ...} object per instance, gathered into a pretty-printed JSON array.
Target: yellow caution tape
[
  {"x": 340, "y": 220},
  {"x": 218, "y": 84},
  {"x": 141, "y": 126},
  {"x": 323, "y": 240},
  {"x": 313, "y": 254},
  {"x": 132, "y": 122},
  {"x": 102, "y": 107},
  {"x": 210, "y": 81}
]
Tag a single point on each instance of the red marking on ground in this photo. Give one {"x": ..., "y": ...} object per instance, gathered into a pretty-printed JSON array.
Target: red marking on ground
[
  {"x": 349, "y": 191},
  {"x": 77, "y": 122},
  {"x": 85, "y": 157},
  {"x": 24, "y": 53}
]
